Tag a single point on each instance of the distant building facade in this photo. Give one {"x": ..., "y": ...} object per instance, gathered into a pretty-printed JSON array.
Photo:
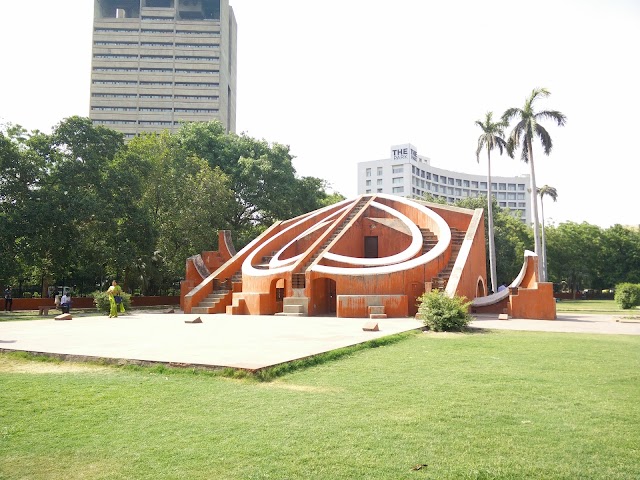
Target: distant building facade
[
  {"x": 407, "y": 174},
  {"x": 157, "y": 63}
]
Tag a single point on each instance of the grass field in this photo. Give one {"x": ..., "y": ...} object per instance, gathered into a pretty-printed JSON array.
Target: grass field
[
  {"x": 594, "y": 306},
  {"x": 507, "y": 405}
]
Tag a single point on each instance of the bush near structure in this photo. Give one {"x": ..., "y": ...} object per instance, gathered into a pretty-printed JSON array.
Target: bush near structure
[
  {"x": 440, "y": 312},
  {"x": 627, "y": 295},
  {"x": 101, "y": 299}
]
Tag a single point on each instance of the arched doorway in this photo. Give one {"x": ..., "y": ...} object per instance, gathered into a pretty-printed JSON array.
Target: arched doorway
[
  {"x": 324, "y": 296},
  {"x": 480, "y": 290},
  {"x": 277, "y": 294}
]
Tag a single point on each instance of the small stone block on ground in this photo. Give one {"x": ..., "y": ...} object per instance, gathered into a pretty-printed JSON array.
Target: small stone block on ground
[
  {"x": 64, "y": 316},
  {"x": 169, "y": 310},
  {"x": 371, "y": 327},
  {"x": 195, "y": 320},
  {"x": 503, "y": 316}
]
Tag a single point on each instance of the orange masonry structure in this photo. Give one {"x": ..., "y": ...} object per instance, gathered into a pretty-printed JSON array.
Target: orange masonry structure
[{"x": 368, "y": 257}]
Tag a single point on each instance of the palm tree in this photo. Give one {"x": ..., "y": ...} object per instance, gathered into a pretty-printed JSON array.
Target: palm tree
[
  {"x": 522, "y": 135},
  {"x": 491, "y": 137},
  {"x": 553, "y": 193}
]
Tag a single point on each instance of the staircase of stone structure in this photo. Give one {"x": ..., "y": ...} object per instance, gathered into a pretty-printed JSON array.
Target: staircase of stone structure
[
  {"x": 429, "y": 240},
  {"x": 376, "y": 312},
  {"x": 337, "y": 231},
  {"x": 440, "y": 282},
  {"x": 216, "y": 302},
  {"x": 264, "y": 262},
  {"x": 222, "y": 296}
]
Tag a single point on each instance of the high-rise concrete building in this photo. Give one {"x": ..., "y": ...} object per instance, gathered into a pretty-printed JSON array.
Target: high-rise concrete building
[
  {"x": 407, "y": 174},
  {"x": 157, "y": 63}
]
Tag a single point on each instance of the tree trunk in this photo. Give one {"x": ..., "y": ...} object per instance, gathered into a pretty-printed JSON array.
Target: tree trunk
[
  {"x": 544, "y": 244},
  {"x": 534, "y": 209},
  {"x": 492, "y": 246}
]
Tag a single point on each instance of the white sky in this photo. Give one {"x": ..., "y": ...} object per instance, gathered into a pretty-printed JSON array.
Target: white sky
[{"x": 342, "y": 81}]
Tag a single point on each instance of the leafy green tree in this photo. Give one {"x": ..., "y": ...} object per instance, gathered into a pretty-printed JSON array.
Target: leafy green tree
[
  {"x": 621, "y": 255},
  {"x": 491, "y": 138},
  {"x": 576, "y": 254},
  {"x": 528, "y": 127},
  {"x": 553, "y": 193}
]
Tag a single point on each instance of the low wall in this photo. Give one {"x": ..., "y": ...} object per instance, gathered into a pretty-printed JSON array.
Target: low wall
[
  {"x": 87, "y": 302},
  {"x": 357, "y": 306}
]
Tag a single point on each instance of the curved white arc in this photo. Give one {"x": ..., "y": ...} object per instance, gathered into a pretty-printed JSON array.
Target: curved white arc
[
  {"x": 444, "y": 239},
  {"x": 408, "y": 253},
  {"x": 498, "y": 296},
  {"x": 276, "y": 262},
  {"x": 247, "y": 267}
]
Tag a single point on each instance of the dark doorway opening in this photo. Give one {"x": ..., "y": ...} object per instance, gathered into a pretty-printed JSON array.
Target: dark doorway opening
[{"x": 370, "y": 247}]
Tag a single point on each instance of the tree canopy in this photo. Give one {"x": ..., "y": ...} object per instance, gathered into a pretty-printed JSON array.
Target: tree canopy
[{"x": 80, "y": 205}]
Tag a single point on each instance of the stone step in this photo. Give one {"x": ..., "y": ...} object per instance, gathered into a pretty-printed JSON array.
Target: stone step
[
  {"x": 200, "y": 310},
  {"x": 376, "y": 316},
  {"x": 286, "y": 314},
  {"x": 293, "y": 309},
  {"x": 376, "y": 309}
]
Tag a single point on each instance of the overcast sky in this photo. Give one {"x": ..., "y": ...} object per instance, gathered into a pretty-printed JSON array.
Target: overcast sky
[{"x": 340, "y": 82}]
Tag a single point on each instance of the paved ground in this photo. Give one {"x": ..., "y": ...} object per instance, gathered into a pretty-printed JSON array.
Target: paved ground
[
  {"x": 242, "y": 341},
  {"x": 249, "y": 342},
  {"x": 566, "y": 322}
]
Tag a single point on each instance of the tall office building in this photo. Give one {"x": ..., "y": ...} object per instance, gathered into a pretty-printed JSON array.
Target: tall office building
[
  {"x": 157, "y": 63},
  {"x": 407, "y": 174}
]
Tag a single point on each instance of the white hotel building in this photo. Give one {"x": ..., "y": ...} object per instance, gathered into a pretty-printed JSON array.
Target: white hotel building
[{"x": 408, "y": 174}]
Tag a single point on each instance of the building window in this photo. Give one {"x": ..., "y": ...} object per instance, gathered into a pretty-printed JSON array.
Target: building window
[
  {"x": 502, "y": 186},
  {"x": 368, "y": 191},
  {"x": 458, "y": 192},
  {"x": 397, "y": 169},
  {"x": 503, "y": 204},
  {"x": 511, "y": 187},
  {"x": 398, "y": 190},
  {"x": 379, "y": 171},
  {"x": 368, "y": 172},
  {"x": 450, "y": 190},
  {"x": 397, "y": 180},
  {"x": 474, "y": 184},
  {"x": 379, "y": 181},
  {"x": 435, "y": 177},
  {"x": 521, "y": 187},
  {"x": 465, "y": 183},
  {"x": 511, "y": 196},
  {"x": 368, "y": 183},
  {"x": 520, "y": 196},
  {"x": 483, "y": 185},
  {"x": 379, "y": 190},
  {"x": 450, "y": 180},
  {"x": 428, "y": 176},
  {"x": 443, "y": 179},
  {"x": 494, "y": 186},
  {"x": 502, "y": 196},
  {"x": 458, "y": 182}
]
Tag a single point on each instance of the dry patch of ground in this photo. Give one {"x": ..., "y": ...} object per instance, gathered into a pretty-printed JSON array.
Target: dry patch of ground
[
  {"x": 8, "y": 365},
  {"x": 299, "y": 388}
]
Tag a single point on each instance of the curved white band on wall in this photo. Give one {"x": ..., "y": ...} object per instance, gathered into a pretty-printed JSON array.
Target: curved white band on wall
[
  {"x": 249, "y": 269},
  {"x": 444, "y": 239},
  {"x": 408, "y": 253}
]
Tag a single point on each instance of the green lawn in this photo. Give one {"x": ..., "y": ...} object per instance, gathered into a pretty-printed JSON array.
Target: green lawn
[
  {"x": 594, "y": 306},
  {"x": 508, "y": 405}
]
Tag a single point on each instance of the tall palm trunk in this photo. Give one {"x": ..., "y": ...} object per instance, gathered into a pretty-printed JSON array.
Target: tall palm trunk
[
  {"x": 534, "y": 208},
  {"x": 544, "y": 244},
  {"x": 492, "y": 247}
]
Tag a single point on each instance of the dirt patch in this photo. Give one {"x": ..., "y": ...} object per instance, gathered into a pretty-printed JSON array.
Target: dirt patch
[
  {"x": 300, "y": 388},
  {"x": 39, "y": 368}
]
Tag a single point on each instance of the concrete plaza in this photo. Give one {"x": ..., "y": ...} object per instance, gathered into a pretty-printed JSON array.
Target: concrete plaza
[{"x": 243, "y": 341}]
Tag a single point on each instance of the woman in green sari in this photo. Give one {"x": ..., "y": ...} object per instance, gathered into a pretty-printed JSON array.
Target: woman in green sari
[{"x": 115, "y": 299}]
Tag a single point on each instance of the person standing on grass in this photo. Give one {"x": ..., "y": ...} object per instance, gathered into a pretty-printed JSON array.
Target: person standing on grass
[
  {"x": 115, "y": 299},
  {"x": 8, "y": 299}
]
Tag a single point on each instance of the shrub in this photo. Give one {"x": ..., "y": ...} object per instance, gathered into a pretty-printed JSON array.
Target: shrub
[
  {"x": 101, "y": 301},
  {"x": 26, "y": 294},
  {"x": 627, "y": 295},
  {"x": 440, "y": 312}
]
